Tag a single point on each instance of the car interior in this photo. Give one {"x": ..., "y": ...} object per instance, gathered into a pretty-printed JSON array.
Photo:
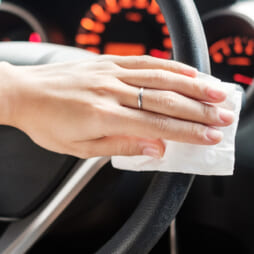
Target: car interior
[{"x": 55, "y": 203}]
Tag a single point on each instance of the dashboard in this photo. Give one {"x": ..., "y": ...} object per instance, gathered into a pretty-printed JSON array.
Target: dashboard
[{"x": 127, "y": 27}]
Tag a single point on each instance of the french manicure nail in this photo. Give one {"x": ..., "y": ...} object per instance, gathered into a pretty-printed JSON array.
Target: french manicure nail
[
  {"x": 226, "y": 116},
  {"x": 214, "y": 135},
  {"x": 153, "y": 152}
]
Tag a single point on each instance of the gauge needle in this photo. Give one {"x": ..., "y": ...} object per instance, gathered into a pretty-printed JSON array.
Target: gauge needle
[{"x": 240, "y": 78}]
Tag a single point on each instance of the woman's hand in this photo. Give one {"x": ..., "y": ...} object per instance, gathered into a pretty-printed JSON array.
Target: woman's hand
[{"x": 90, "y": 108}]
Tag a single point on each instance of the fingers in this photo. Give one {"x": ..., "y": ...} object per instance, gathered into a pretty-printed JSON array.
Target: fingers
[
  {"x": 149, "y": 62},
  {"x": 120, "y": 145},
  {"x": 151, "y": 125},
  {"x": 151, "y": 72},
  {"x": 195, "y": 88},
  {"x": 179, "y": 106}
]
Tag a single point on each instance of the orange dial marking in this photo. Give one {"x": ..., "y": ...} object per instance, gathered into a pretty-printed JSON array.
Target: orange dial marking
[
  {"x": 250, "y": 48},
  {"x": 240, "y": 51},
  {"x": 93, "y": 49},
  {"x": 99, "y": 27},
  {"x": 240, "y": 61},
  {"x": 160, "y": 19},
  {"x": 153, "y": 8},
  {"x": 112, "y": 6},
  {"x": 220, "y": 45},
  {"x": 127, "y": 4},
  {"x": 167, "y": 43},
  {"x": 90, "y": 39},
  {"x": 91, "y": 25},
  {"x": 124, "y": 49},
  {"x": 238, "y": 48},
  {"x": 87, "y": 23},
  {"x": 217, "y": 57},
  {"x": 133, "y": 16},
  {"x": 165, "y": 30},
  {"x": 100, "y": 14},
  {"x": 141, "y": 4}
]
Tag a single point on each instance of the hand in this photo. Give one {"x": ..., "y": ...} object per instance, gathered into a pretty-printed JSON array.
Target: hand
[{"x": 90, "y": 108}]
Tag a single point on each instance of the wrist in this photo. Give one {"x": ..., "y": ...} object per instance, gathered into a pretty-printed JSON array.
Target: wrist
[{"x": 8, "y": 93}]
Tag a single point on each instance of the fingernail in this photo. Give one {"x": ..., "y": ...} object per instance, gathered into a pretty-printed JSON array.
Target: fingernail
[
  {"x": 190, "y": 72},
  {"x": 226, "y": 116},
  {"x": 153, "y": 152},
  {"x": 214, "y": 135},
  {"x": 216, "y": 94}
]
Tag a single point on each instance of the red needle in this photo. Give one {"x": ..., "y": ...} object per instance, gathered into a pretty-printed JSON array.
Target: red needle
[
  {"x": 160, "y": 54},
  {"x": 240, "y": 78}
]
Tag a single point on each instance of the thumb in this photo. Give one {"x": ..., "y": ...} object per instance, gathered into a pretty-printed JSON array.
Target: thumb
[{"x": 121, "y": 145}]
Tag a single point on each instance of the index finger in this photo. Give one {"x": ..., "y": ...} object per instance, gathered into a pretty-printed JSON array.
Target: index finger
[{"x": 149, "y": 62}]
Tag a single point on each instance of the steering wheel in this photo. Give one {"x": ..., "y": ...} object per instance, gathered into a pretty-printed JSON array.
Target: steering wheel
[{"x": 41, "y": 184}]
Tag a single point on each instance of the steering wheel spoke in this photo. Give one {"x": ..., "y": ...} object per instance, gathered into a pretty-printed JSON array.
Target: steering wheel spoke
[{"x": 21, "y": 235}]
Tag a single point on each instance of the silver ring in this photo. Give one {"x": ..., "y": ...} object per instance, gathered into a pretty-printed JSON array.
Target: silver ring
[{"x": 140, "y": 98}]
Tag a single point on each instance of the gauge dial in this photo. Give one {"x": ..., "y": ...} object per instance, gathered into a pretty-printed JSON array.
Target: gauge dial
[
  {"x": 232, "y": 59},
  {"x": 125, "y": 27},
  {"x": 19, "y": 25}
]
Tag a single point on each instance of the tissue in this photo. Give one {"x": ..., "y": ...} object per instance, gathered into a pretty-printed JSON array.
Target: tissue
[{"x": 194, "y": 159}]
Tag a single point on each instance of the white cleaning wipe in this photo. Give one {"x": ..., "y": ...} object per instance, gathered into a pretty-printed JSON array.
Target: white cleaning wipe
[{"x": 194, "y": 159}]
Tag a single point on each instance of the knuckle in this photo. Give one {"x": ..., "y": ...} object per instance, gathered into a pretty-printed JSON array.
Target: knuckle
[
  {"x": 110, "y": 65},
  {"x": 172, "y": 64},
  {"x": 161, "y": 124},
  {"x": 170, "y": 100},
  {"x": 106, "y": 65},
  {"x": 145, "y": 59},
  {"x": 101, "y": 89},
  {"x": 209, "y": 112},
  {"x": 142, "y": 60},
  {"x": 166, "y": 100},
  {"x": 103, "y": 57},
  {"x": 126, "y": 147},
  {"x": 107, "y": 86},
  {"x": 159, "y": 76},
  {"x": 197, "y": 131},
  {"x": 196, "y": 86}
]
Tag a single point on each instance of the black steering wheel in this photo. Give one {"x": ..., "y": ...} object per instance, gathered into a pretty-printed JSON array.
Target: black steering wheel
[{"x": 44, "y": 173}]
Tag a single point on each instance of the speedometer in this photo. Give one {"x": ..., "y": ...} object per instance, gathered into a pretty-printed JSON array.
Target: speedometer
[
  {"x": 233, "y": 59},
  {"x": 125, "y": 27},
  {"x": 230, "y": 37}
]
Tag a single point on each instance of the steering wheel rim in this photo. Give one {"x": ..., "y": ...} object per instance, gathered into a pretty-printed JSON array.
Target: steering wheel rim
[{"x": 166, "y": 192}]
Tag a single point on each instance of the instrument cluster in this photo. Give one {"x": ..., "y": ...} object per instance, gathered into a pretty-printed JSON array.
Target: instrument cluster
[{"x": 137, "y": 27}]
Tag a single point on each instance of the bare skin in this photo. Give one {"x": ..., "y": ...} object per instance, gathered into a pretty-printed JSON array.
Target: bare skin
[{"x": 89, "y": 108}]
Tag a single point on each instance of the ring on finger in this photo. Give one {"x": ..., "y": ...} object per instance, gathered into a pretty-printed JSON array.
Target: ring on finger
[{"x": 140, "y": 98}]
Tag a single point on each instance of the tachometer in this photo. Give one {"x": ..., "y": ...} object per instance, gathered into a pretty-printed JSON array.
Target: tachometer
[
  {"x": 233, "y": 59},
  {"x": 125, "y": 27},
  {"x": 17, "y": 24}
]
